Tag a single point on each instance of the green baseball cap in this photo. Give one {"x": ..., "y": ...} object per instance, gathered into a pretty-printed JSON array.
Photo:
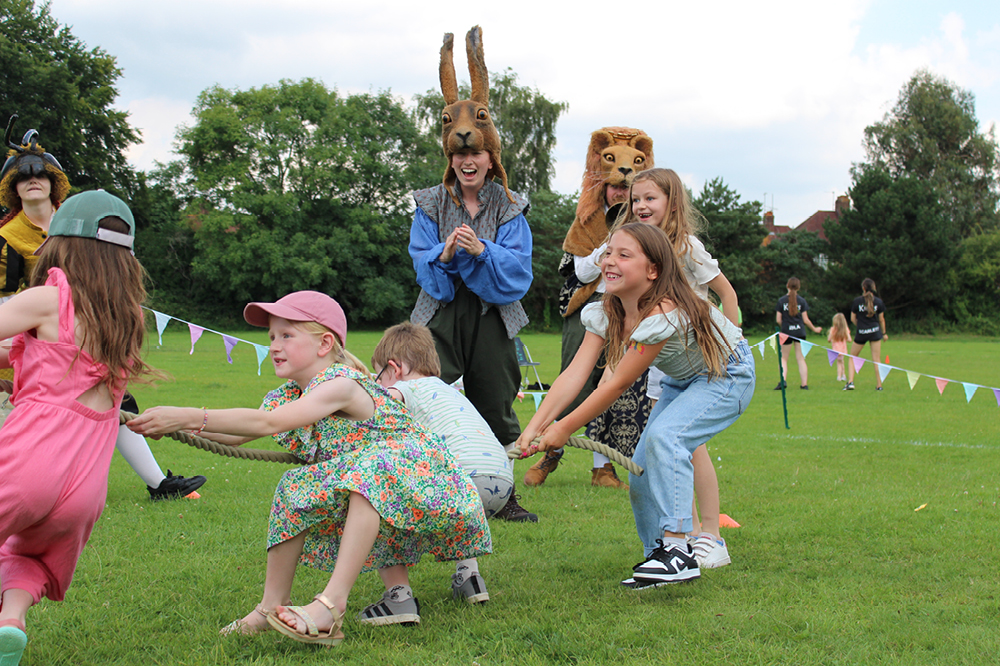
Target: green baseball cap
[{"x": 80, "y": 214}]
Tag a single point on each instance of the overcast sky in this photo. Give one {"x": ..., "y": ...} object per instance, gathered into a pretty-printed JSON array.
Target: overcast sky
[{"x": 771, "y": 96}]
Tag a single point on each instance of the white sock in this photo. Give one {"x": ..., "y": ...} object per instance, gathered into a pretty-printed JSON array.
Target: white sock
[
  {"x": 471, "y": 567},
  {"x": 135, "y": 451},
  {"x": 600, "y": 459}
]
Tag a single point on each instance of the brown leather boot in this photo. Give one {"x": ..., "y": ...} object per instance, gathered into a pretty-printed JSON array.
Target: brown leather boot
[
  {"x": 605, "y": 477},
  {"x": 537, "y": 473}
]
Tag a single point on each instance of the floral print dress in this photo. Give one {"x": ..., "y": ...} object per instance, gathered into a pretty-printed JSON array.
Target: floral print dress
[{"x": 426, "y": 502}]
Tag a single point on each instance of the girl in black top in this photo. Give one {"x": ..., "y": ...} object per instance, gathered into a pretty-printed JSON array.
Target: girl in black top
[
  {"x": 868, "y": 317},
  {"x": 793, "y": 320}
]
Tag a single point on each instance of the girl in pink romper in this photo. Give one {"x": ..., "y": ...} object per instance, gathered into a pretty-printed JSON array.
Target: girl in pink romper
[{"x": 56, "y": 445}]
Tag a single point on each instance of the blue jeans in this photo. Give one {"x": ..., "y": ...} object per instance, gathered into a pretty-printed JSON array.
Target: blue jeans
[{"x": 688, "y": 414}]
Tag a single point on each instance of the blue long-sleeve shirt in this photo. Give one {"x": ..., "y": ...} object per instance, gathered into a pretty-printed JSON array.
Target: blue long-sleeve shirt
[{"x": 500, "y": 274}]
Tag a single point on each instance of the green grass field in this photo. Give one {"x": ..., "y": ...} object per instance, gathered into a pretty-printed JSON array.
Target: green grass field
[{"x": 832, "y": 564}]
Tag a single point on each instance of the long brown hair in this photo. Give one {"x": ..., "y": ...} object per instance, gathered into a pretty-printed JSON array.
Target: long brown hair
[
  {"x": 793, "y": 285},
  {"x": 108, "y": 286},
  {"x": 868, "y": 289},
  {"x": 670, "y": 284},
  {"x": 681, "y": 220}
]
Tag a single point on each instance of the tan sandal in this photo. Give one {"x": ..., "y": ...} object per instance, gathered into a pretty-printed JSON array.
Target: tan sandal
[
  {"x": 243, "y": 628},
  {"x": 312, "y": 634}
]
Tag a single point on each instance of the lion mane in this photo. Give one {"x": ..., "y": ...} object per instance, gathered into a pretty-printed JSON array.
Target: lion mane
[{"x": 614, "y": 156}]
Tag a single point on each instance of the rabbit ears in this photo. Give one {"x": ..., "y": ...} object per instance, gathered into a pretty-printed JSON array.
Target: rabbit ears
[
  {"x": 466, "y": 124},
  {"x": 477, "y": 68}
]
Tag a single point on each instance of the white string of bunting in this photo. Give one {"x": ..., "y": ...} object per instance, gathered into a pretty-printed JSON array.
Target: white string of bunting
[
  {"x": 772, "y": 340},
  {"x": 196, "y": 332},
  {"x": 883, "y": 368}
]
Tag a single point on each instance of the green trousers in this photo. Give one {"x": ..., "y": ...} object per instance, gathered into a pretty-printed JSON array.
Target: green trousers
[{"x": 475, "y": 346}]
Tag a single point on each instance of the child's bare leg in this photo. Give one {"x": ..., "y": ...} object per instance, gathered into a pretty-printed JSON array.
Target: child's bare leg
[
  {"x": 840, "y": 368},
  {"x": 15, "y": 605},
  {"x": 394, "y": 575},
  {"x": 800, "y": 358},
  {"x": 706, "y": 489},
  {"x": 855, "y": 350},
  {"x": 360, "y": 532},
  {"x": 281, "y": 562},
  {"x": 876, "y": 346}
]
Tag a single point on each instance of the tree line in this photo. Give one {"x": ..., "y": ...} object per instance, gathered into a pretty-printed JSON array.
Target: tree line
[{"x": 293, "y": 185}]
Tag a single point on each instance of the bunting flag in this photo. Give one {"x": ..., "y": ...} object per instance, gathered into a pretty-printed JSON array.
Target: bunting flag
[
  {"x": 196, "y": 332},
  {"x": 230, "y": 342},
  {"x": 883, "y": 370},
  {"x": 161, "y": 323},
  {"x": 262, "y": 353}
]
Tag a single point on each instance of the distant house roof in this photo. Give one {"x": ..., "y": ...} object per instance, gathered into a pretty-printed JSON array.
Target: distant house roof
[{"x": 813, "y": 223}]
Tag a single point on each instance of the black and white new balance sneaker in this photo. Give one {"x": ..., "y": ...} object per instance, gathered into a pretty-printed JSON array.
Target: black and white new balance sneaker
[{"x": 665, "y": 565}]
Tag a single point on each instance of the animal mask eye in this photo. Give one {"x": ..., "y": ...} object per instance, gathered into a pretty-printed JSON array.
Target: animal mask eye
[
  {"x": 446, "y": 118},
  {"x": 640, "y": 159},
  {"x": 482, "y": 115},
  {"x": 610, "y": 157}
]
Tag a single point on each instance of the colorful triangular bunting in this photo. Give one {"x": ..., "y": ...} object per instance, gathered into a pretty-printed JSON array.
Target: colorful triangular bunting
[
  {"x": 196, "y": 332},
  {"x": 161, "y": 323}
]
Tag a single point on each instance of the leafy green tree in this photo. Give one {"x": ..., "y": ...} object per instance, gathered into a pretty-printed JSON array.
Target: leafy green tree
[
  {"x": 932, "y": 134},
  {"x": 796, "y": 254},
  {"x": 65, "y": 91},
  {"x": 899, "y": 235},
  {"x": 549, "y": 218},
  {"x": 292, "y": 186},
  {"x": 524, "y": 118},
  {"x": 733, "y": 233},
  {"x": 975, "y": 305}
]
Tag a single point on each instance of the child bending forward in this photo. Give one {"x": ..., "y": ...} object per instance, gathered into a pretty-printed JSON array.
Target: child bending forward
[
  {"x": 408, "y": 366},
  {"x": 650, "y": 315},
  {"x": 378, "y": 490}
]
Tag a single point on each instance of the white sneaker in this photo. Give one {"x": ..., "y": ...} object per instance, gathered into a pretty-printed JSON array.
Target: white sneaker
[{"x": 711, "y": 553}]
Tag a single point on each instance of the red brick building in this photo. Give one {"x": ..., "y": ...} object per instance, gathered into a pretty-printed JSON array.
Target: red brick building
[{"x": 814, "y": 223}]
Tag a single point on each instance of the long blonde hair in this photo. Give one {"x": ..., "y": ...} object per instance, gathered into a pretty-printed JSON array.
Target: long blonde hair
[
  {"x": 670, "y": 284},
  {"x": 681, "y": 220},
  {"x": 108, "y": 287},
  {"x": 838, "y": 330}
]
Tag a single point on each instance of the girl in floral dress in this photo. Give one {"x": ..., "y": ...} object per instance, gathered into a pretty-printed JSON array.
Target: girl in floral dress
[{"x": 378, "y": 489}]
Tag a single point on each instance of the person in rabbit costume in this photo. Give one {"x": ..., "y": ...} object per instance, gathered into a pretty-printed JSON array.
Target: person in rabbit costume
[{"x": 471, "y": 250}]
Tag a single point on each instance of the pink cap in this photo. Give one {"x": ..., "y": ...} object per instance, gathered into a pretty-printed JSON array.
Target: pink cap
[{"x": 301, "y": 306}]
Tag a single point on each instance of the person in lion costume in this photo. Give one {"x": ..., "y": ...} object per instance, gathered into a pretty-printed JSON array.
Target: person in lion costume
[{"x": 615, "y": 155}]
